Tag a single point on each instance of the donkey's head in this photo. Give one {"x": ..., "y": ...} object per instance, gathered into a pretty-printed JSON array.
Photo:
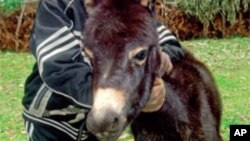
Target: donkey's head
[{"x": 121, "y": 41}]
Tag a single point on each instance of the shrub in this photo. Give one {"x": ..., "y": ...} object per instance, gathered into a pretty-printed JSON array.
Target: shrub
[
  {"x": 8, "y": 6},
  {"x": 205, "y": 18},
  {"x": 206, "y": 10}
]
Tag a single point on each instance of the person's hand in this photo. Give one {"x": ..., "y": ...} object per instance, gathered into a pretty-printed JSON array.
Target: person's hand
[
  {"x": 158, "y": 92},
  {"x": 157, "y": 96},
  {"x": 166, "y": 64}
]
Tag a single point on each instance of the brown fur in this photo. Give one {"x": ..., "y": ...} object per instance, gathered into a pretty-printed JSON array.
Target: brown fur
[{"x": 192, "y": 110}]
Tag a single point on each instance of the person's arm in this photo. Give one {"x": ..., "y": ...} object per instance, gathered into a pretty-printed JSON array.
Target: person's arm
[
  {"x": 169, "y": 42},
  {"x": 55, "y": 43}
]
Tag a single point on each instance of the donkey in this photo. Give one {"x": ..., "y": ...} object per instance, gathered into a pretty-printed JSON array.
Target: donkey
[{"x": 122, "y": 43}]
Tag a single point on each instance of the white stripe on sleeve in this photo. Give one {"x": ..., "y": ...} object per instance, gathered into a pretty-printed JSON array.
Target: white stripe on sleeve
[
  {"x": 54, "y": 44},
  {"x": 78, "y": 33},
  {"x": 159, "y": 29},
  {"x": 31, "y": 130},
  {"x": 164, "y": 33},
  {"x": 167, "y": 38},
  {"x": 52, "y": 37},
  {"x": 54, "y": 124},
  {"x": 59, "y": 50}
]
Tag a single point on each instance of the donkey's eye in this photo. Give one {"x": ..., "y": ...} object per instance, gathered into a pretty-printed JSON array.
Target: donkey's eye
[{"x": 141, "y": 55}]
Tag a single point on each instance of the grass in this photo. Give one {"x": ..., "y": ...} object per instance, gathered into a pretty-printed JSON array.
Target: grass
[
  {"x": 14, "y": 69},
  {"x": 228, "y": 59}
]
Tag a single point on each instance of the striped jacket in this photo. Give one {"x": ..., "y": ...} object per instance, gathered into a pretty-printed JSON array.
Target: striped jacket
[{"x": 58, "y": 91}]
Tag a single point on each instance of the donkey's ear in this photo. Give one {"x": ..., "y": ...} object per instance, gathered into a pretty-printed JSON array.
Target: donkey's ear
[
  {"x": 90, "y": 5},
  {"x": 148, "y": 3},
  {"x": 145, "y": 2}
]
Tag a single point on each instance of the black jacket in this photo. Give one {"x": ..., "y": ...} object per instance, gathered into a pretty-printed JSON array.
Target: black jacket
[{"x": 60, "y": 83}]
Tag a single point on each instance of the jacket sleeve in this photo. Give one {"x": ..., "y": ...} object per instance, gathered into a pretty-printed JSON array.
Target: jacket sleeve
[
  {"x": 169, "y": 42},
  {"x": 56, "y": 46}
]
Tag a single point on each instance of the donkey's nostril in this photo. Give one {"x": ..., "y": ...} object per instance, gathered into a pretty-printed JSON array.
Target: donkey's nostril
[
  {"x": 116, "y": 120},
  {"x": 108, "y": 121},
  {"x": 115, "y": 123}
]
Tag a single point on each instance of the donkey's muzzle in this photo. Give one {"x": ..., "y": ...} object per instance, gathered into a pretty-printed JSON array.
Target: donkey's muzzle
[{"x": 106, "y": 119}]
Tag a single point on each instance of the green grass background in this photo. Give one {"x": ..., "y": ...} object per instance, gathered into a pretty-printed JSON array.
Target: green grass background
[{"x": 228, "y": 59}]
